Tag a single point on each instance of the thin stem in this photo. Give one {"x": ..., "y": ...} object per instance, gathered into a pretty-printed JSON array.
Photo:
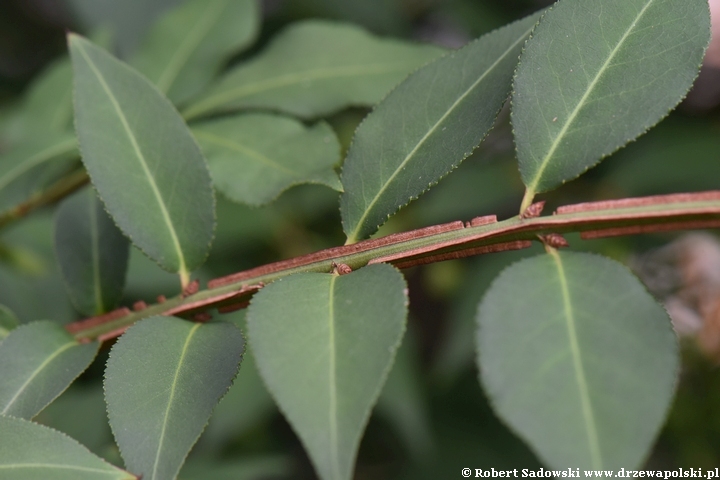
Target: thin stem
[
  {"x": 184, "y": 278},
  {"x": 527, "y": 199},
  {"x": 426, "y": 245},
  {"x": 59, "y": 190}
]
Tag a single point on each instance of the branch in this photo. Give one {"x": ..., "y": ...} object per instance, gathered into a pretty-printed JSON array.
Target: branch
[
  {"x": 432, "y": 244},
  {"x": 59, "y": 190}
]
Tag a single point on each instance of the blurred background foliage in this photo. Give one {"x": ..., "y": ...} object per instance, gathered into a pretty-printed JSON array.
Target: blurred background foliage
[{"x": 432, "y": 418}]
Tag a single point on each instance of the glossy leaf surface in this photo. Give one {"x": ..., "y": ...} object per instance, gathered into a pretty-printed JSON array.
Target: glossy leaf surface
[
  {"x": 324, "y": 345},
  {"x": 254, "y": 157},
  {"x": 187, "y": 47},
  {"x": 315, "y": 68},
  {"x": 39, "y": 361},
  {"x": 29, "y": 451},
  {"x": 142, "y": 159},
  {"x": 578, "y": 359},
  {"x": 426, "y": 127},
  {"x": 31, "y": 167},
  {"x": 598, "y": 73},
  {"x": 162, "y": 381},
  {"x": 92, "y": 253}
]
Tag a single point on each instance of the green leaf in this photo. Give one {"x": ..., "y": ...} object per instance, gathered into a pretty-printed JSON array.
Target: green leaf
[
  {"x": 92, "y": 253},
  {"x": 315, "y": 68},
  {"x": 578, "y": 359},
  {"x": 187, "y": 47},
  {"x": 142, "y": 159},
  {"x": 162, "y": 381},
  {"x": 29, "y": 272},
  {"x": 252, "y": 468},
  {"x": 255, "y": 157},
  {"x": 29, "y": 451},
  {"x": 31, "y": 167},
  {"x": 39, "y": 361},
  {"x": 246, "y": 406},
  {"x": 47, "y": 106},
  {"x": 80, "y": 412},
  {"x": 324, "y": 345},
  {"x": 426, "y": 127},
  {"x": 8, "y": 321},
  {"x": 403, "y": 402},
  {"x": 597, "y": 74}
]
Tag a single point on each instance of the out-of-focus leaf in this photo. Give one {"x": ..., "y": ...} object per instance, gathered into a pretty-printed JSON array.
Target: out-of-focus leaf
[
  {"x": 92, "y": 253},
  {"x": 254, "y": 157},
  {"x": 80, "y": 412},
  {"x": 39, "y": 361},
  {"x": 8, "y": 321},
  {"x": 578, "y": 359},
  {"x": 187, "y": 47},
  {"x": 128, "y": 20},
  {"x": 403, "y": 401},
  {"x": 145, "y": 280},
  {"x": 324, "y": 345},
  {"x": 315, "y": 68},
  {"x": 162, "y": 381},
  {"x": 29, "y": 451},
  {"x": 30, "y": 281},
  {"x": 456, "y": 351},
  {"x": 380, "y": 16},
  {"x": 29, "y": 168},
  {"x": 679, "y": 155},
  {"x": 255, "y": 468},
  {"x": 142, "y": 159},
  {"x": 46, "y": 107},
  {"x": 426, "y": 127},
  {"x": 597, "y": 74}
]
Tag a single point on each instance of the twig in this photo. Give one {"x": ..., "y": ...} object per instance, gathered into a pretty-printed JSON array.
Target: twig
[
  {"x": 59, "y": 190},
  {"x": 431, "y": 244}
]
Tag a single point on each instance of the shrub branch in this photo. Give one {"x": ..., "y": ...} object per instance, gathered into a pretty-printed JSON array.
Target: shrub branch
[{"x": 480, "y": 235}]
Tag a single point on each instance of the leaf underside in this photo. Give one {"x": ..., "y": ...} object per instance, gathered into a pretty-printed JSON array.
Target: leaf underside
[
  {"x": 39, "y": 361},
  {"x": 324, "y": 345},
  {"x": 162, "y": 381},
  {"x": 29, "y": 451},
  {"x": 578, "y": 359}
]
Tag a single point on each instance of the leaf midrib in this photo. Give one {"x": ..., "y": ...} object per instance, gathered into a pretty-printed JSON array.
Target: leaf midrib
[
  {"x": 36, "y": 372},
  {"x": 290, "y": 79},
  {"x": 141, "y": 158},
  {"x": 173, "y": 388},
  {"x": 332, "y": 410},
  {"x": 532, "y": 187},
  {"x": 170, "y": 74},
  {"x": 235, "y": 145},
  {"x": 586, "y": 405},
  {"x": 353, "y": 236}
]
